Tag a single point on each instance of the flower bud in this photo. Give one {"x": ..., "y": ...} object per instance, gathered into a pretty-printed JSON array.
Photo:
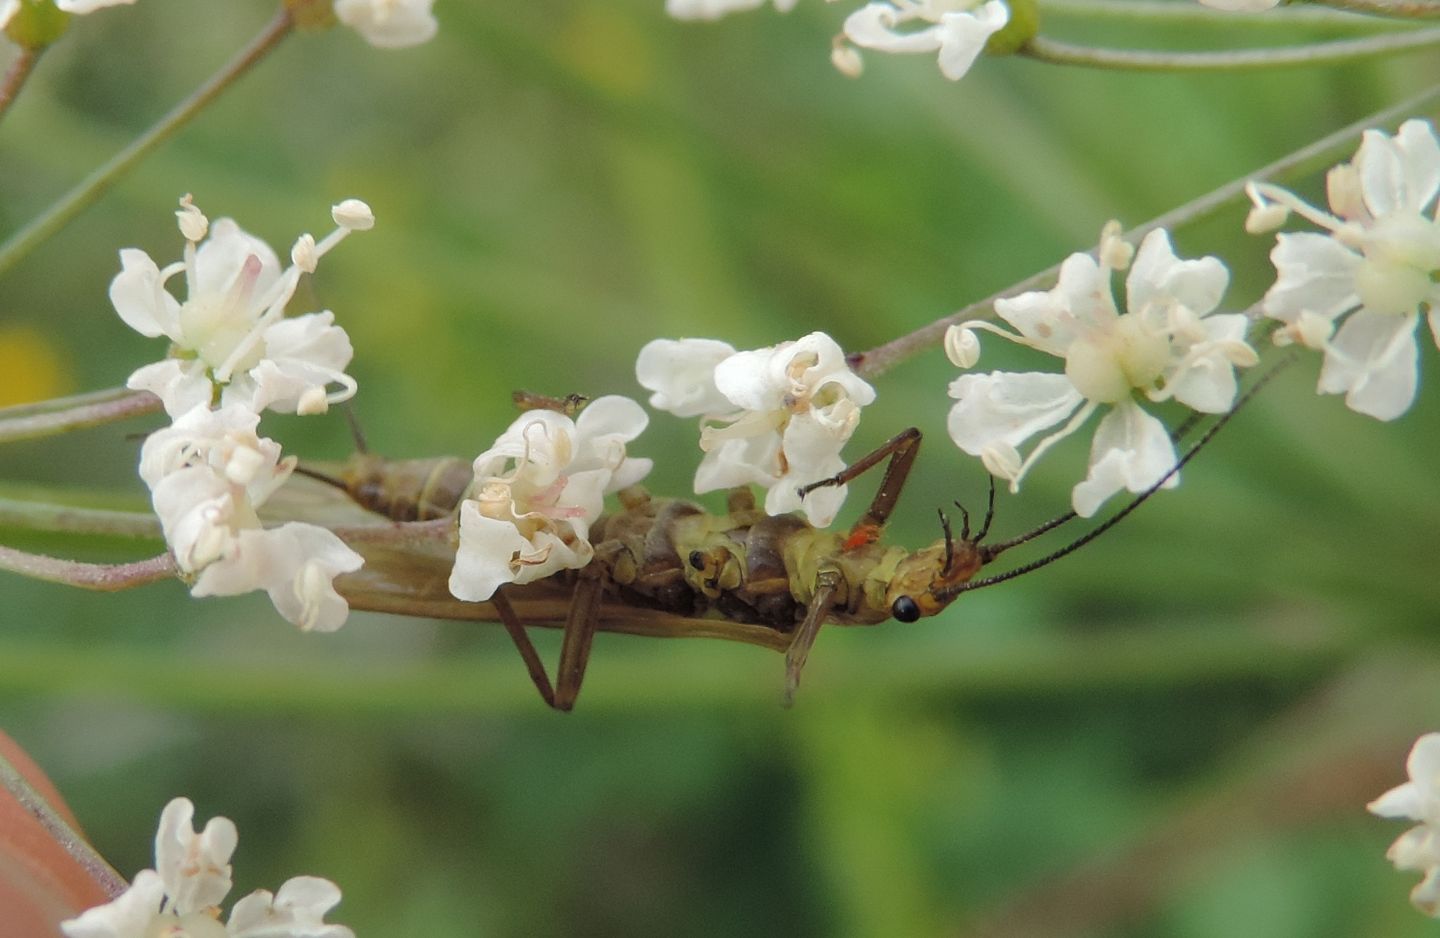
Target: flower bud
[
  {"x": 962, "y": 346},
  {"x": 353, "y": 215},
  {"x": 846, "y": 59}
]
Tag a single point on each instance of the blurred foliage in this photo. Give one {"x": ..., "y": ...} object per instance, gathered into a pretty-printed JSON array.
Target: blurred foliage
[{"x": 1172, "y": 733}]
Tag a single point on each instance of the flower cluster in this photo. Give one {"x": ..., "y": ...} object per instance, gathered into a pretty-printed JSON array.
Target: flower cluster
[
  {"x": 1419, "y": 800},
  {"x": 1373, "y": 273},
  {"x": 8, "y": 8},
  {"x": 389, "y": 24},
  {"x": 1168, "y": 343},
  {"x": 192, "y": 876},
  {"x": 208, "y": 473},
  {"x": 233, "y": 350},
  {"x": 775, "y": 417},
  {"x": 956, "y": 29},
  {"x": 538, "y": 490}
]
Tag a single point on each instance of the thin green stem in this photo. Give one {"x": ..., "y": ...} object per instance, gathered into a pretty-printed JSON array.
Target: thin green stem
[
  {"x": 882, "y": 358},
  {"x": 62, "y": 415},
  {"x": 1320, "y": 53},
  {"x": 99, "y": 182},
  {"x": 66, "y": 836},
  {"x": 21, "y": 514},
  {"x": 1401, "y": 9},
  {"x": 15, "y": 76},
  {"x": 101, "y": 577},
  {"x": 1158, "y": 11}
]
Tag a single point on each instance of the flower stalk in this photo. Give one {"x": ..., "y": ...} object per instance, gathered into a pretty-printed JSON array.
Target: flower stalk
[
  {"x": 90, "y": 189},
  {"x": 66, "y": 836},
  {"x": 876, "y": 361},
  {"x": 1139, "y": 60},
  {"x": 100, "y": 577},
  {"x": 66, "y": 414},
  {"x": 15, "y": 77}
]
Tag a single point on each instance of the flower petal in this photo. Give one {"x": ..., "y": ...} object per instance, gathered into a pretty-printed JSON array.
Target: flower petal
[
  {"x": 141, "y": 299},
  {"x": 681, "y": 373},
  {"x": 195, "y": 868},
  {"x": 963, "y": 36},
  {"x": 1159, "y": 278},
  {"x": 1132, "y": 450},
  {"x": 128, "y": 915},
  {"x": 1009, "y": 408},
  {"x": 1400, "y": 173},
  {"x": 389, "y": 24},
  {"x": 1374, "y": 360},
  {"x": 221, "y": 259}
]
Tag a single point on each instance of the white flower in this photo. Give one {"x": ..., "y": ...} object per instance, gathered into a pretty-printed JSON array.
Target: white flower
[
  {"x": 208, "y": 473},
  {"x": 1418, "y": 800},
  {"x": 389, "y": 24},
  {"x": 786, "y": 410},
  {"x": 77, "y": 7},
  {"x": 1241, "y": 6},
  {"x": 1167, "y": 345},
  {"x": 1376, "y": 269},
  {"x": 229, "y": 338},
  {"x": 538, "y": 489},
  {"x": 714, "y": 9},
  {"x": 957, "y": 29},
  {"x": 192, "y": 877}
]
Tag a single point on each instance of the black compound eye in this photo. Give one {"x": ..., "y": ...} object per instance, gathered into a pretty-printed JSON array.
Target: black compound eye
[
  {"x": 697, "y": 560},
  {"x": 905, "y": 609}
]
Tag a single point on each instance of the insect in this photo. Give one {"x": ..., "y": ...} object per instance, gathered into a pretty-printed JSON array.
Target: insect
[{"x": 667, "y": 567}]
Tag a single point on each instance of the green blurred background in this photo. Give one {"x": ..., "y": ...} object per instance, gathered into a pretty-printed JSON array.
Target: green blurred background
[{"x": 1172, "y": 733}]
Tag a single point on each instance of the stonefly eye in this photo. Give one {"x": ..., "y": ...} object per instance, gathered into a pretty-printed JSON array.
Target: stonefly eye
[{"x": 905, "y": 609}]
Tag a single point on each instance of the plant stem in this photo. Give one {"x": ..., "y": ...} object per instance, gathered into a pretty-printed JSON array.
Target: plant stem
[
  {"x": 1403, "y": 9},
  {"x": 35, "y": 804},
  {"x": 101, "y": 577},
  {"x": 15, "y": 76},
  {"x": 1142, "y": 60},
  {"x": 1157, "y": 11},
  {"x": 99, "y": 182},
  {"x": 882, "y": 358},
  {"x": 62, "y": 415},
  {"x": 68, "y": 519}
]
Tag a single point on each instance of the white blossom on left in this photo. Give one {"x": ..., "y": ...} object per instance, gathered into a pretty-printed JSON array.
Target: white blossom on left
[
  {"x": 1373, "y": 272},
  {"x": 208, "y": 473},
  {"x": 192, "y": 876},
  {"x": 1168, "y": 343},
  {"x": 230, "y": 340},
  {"x": 76, "y": 7},
  {"x": 1419, "y": 800}
]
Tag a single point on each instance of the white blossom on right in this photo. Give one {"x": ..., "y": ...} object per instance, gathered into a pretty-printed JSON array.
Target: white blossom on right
[
  {"x": 389, "y": 24},
  {"x": 775, "y": 417},
  {"x": 956, "y": 29},
  {"x": 1168, "y": 343},
  {"x": 1419, "y": 800},
  {"x": 538, "y": 490},
  {"x": 192, "y": 876},
  {"x": 208, "y": 473},
  {"x": 1373, "y": 273}
]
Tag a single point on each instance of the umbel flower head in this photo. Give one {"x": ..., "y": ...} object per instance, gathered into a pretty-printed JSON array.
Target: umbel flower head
[
  {"x": 1419, "y": 800},
  {"x": 1374, "y": 272},
  {"x": 775, "y": 417},
  {"x": 714, "y": 9},
  {"x": 1168, "y": 343},
  {"x": 208, "y": 473},
  {"x": 230, "y": 342},
  {"x": 180, "y": 898},
  {"x": 8, "y": 8},
  {"x": 956, "y": 29},
  {"x": 389, "y": 24},
  {"x": 538, "y": 490}
]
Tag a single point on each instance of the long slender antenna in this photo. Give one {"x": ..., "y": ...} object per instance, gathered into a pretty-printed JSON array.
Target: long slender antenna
[
  {"x": 356, "y": 432},
  {"x": 306, "y": 471},
  {"x": 1140, "y": 499}
]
